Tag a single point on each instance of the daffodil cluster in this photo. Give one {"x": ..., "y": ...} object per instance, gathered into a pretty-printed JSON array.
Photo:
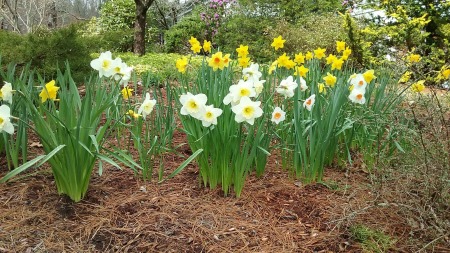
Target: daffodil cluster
[
  {"x": 195, "y": 106},
  {"x": 358, "y": 84},
  {"x": 107, "y": 67},
  {"x": 196, "y": 47},
  {"x": 243, "y": 59}
]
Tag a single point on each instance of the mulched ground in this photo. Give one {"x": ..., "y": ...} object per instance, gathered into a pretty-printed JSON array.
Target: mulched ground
[{"x": 275, "y": 213}]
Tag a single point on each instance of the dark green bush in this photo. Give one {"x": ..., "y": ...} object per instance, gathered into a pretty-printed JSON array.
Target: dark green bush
[
  {"x": 251, "y": 31},
  {"x": 46, "y": 50}
]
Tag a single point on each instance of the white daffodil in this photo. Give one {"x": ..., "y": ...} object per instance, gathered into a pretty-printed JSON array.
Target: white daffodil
[
  {"x": 104, "y": 64},
  {"x": 6, "y": 92},
  {"x": 147, "y": 106},
  {"x": 193, "y": 104},
  {"x": 252, "y": 73},
  {"x": 278, "y": 115},
  {"x": 357, "y": 96},
  {"x": 303, "y": 85},
  {"x": 358, "y": 82},
  {"x": 259, "y": 86},
  {"x": 287, "y": 87},
  {"x": 209, "y": 115},
  {"x": 309, "y": 102},
  {"x": 5, "y": 122},
  {"x": 238, "y": 91},
  {"x": 247, "y": 110}
]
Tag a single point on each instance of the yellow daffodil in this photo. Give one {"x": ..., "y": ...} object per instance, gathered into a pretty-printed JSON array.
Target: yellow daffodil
[
  {"x": 337, "y": 64},
  {"x": 308, "y": 56},
  {"x": 301, "y": 71},
  {"x": 133, "y": 114},
  {"x": 244, "y": 62},
  {"x": 446, "y": 73},
  {"x": 278, "y": 42},
  {"x": 419, "y": 86},
  {"x": 331, "y": 58},
  {"x": 346, "y": 53},
  {"x": 207, "y": 46},
  {"x": 272, "y": 67},
  {"x": 127, "y": 93},
  {"x": 49, "y": 91},
  {"x": 340, "y": 46},
  {"x": 321, "y": 87},
  {"x": 330, "y": 80},
  {"x": 283, "y": 60},
  {"x": 413, "y": 58},
  {"x": 196, "y": 48},
  {"x": 369, "y": 75},
  {"x": 299, "y": 58},
  {"x": 181, "y": 64},
  {"x": 319, "y": 53},
  {"x": 216, "y": 61},
  {"x": 242, "y": 51},
  {"x": 226, "y": 60},
  {"x": 290, "y": 64},
  {"x": 405, "y": 77},
  {"x": 193, "y": 41}
]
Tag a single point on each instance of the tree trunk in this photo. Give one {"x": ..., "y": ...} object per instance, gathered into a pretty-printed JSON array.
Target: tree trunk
[{"x": 142, "y": 7}]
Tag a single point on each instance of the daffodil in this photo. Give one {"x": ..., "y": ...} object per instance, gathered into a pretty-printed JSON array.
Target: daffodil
[
  {"x": 340, "y": 46},
  {"x": 238, "y": 91},
  {"x": 259, "y": 86},
  {"x": 181, "y": 64},
  {"x": 244, "y": 62},
  {"x": 6, "y": 92},
  {"x": 49, "y": 91},
  {"x": 309, "y": 102},
  {"x": 5, "y": 122},
  {"x": 330, "y": 80},
  {"x": 446, "y": 73},
  {"x": 283, "y": 60},
  {"x": 418, "y": 86},
  {"x": 226, "y": 60},
  {"x": 216, "y": 61},
  {"x": 308, "y": 56},
  {"x": 405, "y": 77},
  {"x": 207, "y": 46},
  {"x": 278, "y": 42},
  {"x": 357, "y": 96},
  {"x": 104, "y": 64},
  {"x": 121, "y": 71},
  {"x": 133, "y": 114},
  {"x": 301, "y": 71},
  {"x": 331, "y": 58},
  {"x": 242, "y": 51},
  {"x": 337, "y": 64},
  {"x": 303, "y": 85},
  {"x": 369, "y": 75},
  {"x": 319, "y": 53},
  {"x": 346, "y": 53},
  {"x": 196, "y": 48},
  {"x": 278, "y": 115},
  {"x": 247, "y": 111},
  {"x": 252, "y": 73},
  {"x": 357, "y": 81},
  {"x": 321, "y": 88},
  {"x": 287, "y": 87},
  {"x": 193, "y": 104},
  {"x": 299, "y": 58},
  {"x": 273, "y": 67},
  {"x": 127, "y": 93},
  {"x": 413, "y": 58},
  {"x": 147, "y": 106},
  {"x": 209, "y": 115},
  {"x": 193, "y": 41}
]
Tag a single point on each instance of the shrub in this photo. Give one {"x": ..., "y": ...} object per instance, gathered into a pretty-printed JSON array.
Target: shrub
[
  {"x": 47, "y": 49},
  {"x": 241, "y": 30},
  {"x": 177, "y": 36}
]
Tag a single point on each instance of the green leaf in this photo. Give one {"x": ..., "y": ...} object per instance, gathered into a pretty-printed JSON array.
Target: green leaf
[{"x": 183, "y": 165}]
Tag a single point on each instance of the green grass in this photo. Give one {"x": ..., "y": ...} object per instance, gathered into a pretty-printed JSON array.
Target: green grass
[{"x": 372, "y": 240}]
